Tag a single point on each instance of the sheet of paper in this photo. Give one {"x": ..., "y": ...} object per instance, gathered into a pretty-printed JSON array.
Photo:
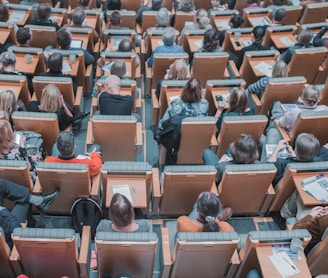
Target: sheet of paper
[
  {"x": 259, "y": 21},
  {"x": 265, "y": 68},
  {"x": 288, "y": 106},
  {"x": 199, "y": 44},
  {"x": 278, "y": 248},
  {"x": 16, "y": 16},
  {"x": 317, "y": 190},
  {"x": 66, "y": 67},
  {"x": 246, "y": 42},
  {"x": 123, "y": 189},
  {"x": 286, "y": 41},
  {"x": 269, "y": 148},
  {"x": 284, "y": 264},
  {"x": 81, "y": 156},
  {"x": 222, "y": 24}
]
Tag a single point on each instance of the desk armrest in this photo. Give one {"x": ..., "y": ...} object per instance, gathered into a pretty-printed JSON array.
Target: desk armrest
[
  {"x": 89, "y": 138},
  {"x": 232, "y": 69},
  {"x": 155, "y": 106},
  {"x": 139, "y": 139},
  {"x": 269, "y": 196},
  {"x": 167, "y": 262},
  {"x": 149, "y": 76},
  {"x": 255, "y": 103},
  {"x": 235, "y": 262},
  {"x": 156, "y": 191},
  {"x": 78, "y": 98},
  {"x": 214, "y": 144},
  {"x": 95, "y": 187},
  {"x": 282, "y": 131},
  {"x": 85, "y": 250}
]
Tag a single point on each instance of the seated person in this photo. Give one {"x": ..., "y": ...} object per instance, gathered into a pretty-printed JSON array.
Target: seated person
[
  {"x": 162, "y": 18},
  {"x": 121, "y": 216},
  {"x": 24, "y": 36},
  {"x": 318, "y": 40},
  {"x": 9, "y": 220},
  {"x": 207, "y": 215},
  {"x": 235, "y": 21},
  {"x": 210, "y": 41},
  {"x": 236, "y": 105},
  {"x": 63, "y": 152},
  {"x": 147, "y": 5},
  {"x": 252, "y": 4},
  {"x": 243, "y": 150},
  {"x": 277, "y": 16},
  {"x": 8, "y": 104},
  {"x": 4, "y": 17},
  {"x": 186, "y": 6},
  {"x": 168, "y": 39},
  {"x": 43, "y": 17}
]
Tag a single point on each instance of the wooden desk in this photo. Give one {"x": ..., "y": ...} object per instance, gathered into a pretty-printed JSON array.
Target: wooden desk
[
  {"x": 243, "y": 38},
  {"x": 269, "y": 270},
  {"x": 259, "y": 20},
  {"x": 20, "y": 17},
  {"x": 155, "y": 41},
  {"x": 219, "y": 92},
  {"x": 74, "y": 66},
  {"x": 59, "y": 16},
  {"x": 16, "y": 88},
  {"x": 128, "y": 65},
  {"x": 306, "y": 198},
  {"x": 170, "y": 95},
  {"x": 283, "y": 40},
  {"x": 254, "y": 63},
  {"x": 221, "y": 22},
  {"x": 83, "y": 37},
  {"x": 4, "y": 34},
  {"x": 23, "y": 66},
  {"x": 137, "y": 190},
  {"x": 195, "y": 42}
]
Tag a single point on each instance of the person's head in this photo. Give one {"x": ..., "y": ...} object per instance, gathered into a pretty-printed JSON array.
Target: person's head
[
  {"x": 186, "y": 6},
  {"x": 4, "y": 13},
  {"x": 23, "y": 35},
  {"x": 244, "y": 150},
  {"x": 121, "y": 211},
  {"x": 55, "y": 63},
  {"x": 192, "y": 91},
  {"x": 125, "y": 45},
  {"x": 307, "y": 146},
  {"x": 168, "y": 36},
  {"x": 217, "y": 3},
  {"x": 112, "y": 84},
  {"x": 310, "y": 95},
  {"x": 64, "y": 38},
  {"x": 8, "y": 102},
  {"x": 6, "y": 137},
  {"x": 162, "y": 17},
  {"x": 156, "y": 4},
  {"x": 209, "y": 207},
  {"x": 278, "y": 15},
  {"x": 211, "y": 40},
  {"x": 78, "y": 16},
  {"x": 43, "y": 11},
  {"x": 238, "y": 100},
  {"x": 280, "y": 69},
  {"x": 305, "y": 37},
  {"x": 178, "y": 70},
  {"x": 65, "y": 143},
  {"x": 113, "y": 5},
  {"x": 51, "y": 99},
  {"x": 118, "y": 69},
  {"x": 258, "y": 34},
  {"x": 236, "y": 21},
  {"x": 8, "y": 59},
  {"x": 115, "y": 18},
  {"x": 202, "y": 18}
]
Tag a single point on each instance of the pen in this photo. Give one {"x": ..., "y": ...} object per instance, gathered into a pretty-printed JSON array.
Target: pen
[{"x": 293, "y": 267}]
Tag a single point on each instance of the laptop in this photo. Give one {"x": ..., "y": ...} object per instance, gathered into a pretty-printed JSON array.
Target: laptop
[{"x": 76, "y": 43}]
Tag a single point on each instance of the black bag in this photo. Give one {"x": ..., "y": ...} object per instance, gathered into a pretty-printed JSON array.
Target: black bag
[{"x": 86, "y": 212}]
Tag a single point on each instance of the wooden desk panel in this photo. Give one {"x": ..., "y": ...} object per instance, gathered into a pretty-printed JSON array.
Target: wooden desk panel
[
  {"x": 243, "y": 37},
  {"x": 278, "y": 38},
  {"x": 259, "y": 20},
  {"x": 4, "y": 34},
  {"x": 23, "y": 66},
  {"x": 195, "y": 42},
  {"x": 20, "y": 17},
  {"x": 254, "y": 63},
  {"x": 16, "y": 88},
  {"x": 74, "y": 66}
]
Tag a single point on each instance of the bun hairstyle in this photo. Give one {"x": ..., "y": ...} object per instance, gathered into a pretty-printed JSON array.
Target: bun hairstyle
[
  {"x": 7, "y": 59},
  {"x": 258, "y": 33},
  {"x": 310, "y": 95}
]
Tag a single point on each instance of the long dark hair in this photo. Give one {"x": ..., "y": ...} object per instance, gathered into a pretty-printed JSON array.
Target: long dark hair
[
  {"x": 258, "y": 33},
  {"x": 209, "y": 207}
]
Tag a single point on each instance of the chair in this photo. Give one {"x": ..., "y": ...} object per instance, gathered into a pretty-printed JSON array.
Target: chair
[
  {"x": 181, "y": 18},
  {"x": 281, "y": 37},
  {"x": 219, "y": 87},
  {"x": 306, "y": 62},
  {"x": 65, "y": 86},
  {"x": 196, "y": 254},
  {"x": 192, "y": 40},
  {"x": 246, "y": 188},
  {"x": 52, "y": 175},
  {"x": 18, "y": 84},
  {"x": 286, "y": 186},
  {"x": 180, "y": 187},
  {"x": 7, "y": 32},
  {"x": 84, "y": 34},
  {"x": 220, "y": 19},
  {"x": 148, "y": 20},
  {"x": 309, "y": 122},
  {"x": 75, "y": 3},
  {"x": 161, "y": 63},
  {"x": 44, "y": 123},
  {"x": 241, "y": 4},
  {"x": 34, "y": 51},
  {"x": 316, "y": 12},
  {"x": 60, "y": 13},
  {"x": 52, "y": 252},
  {"x": 260, "y": 239},
  {"x": 229, "y": 43},
  {"x": 131, "y": 254},
  {"x": 256, "y": 17},
  {"x": 92, "y": 16},
  {"x": 20, "y": 14},
  {"x": 283, "y": 89},
  {"x": 233, "y": 126},
  {"x": 42, "y": 36},
  {"x": 119, "y": 136},
  {"x": 201, "y": 129},
  {"x": 252, "y": 59},
  {"x": 134, "y": 173},
  {"x": 112, "y": 37},
  {"x": 293, "y": 13}
]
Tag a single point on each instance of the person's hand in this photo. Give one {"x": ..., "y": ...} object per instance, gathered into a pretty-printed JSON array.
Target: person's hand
[
  {"x": 225, "y": 158},
  {"x": 317, "y": 211},
  {"x": 282, "y": 144},
  {"x": 221, "y": 104},
  {"x": 325, "y": 145},
  {"x": 290, "y": 151}
]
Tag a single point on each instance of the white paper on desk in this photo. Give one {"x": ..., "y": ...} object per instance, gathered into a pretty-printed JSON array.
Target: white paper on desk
[
  {"x": 222, "y": 24},
  {"x": 265, "y": 68},
  {"x": 259, "y": 21},
  {"x": 16, "y": 16},
  {"x": 284, "y": 264},
  {"x": 286, "y": 41},
  {"x": 66, "y": 67},
  {"x": 123, "y": 189},
  {"x": 317, "y": 191},
  {"x": 81, "y": 157},
  {"x": 246, "y": 42},
  {"x": 174, "y": 97},
  {"x": 199, "y": 44},
  {"x": 161, "y": 43}
]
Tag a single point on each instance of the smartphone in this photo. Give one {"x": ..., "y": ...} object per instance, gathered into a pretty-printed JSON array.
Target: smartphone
[
  {"x": 237, "y": 43},
  {"x": 219, "y": 98}
]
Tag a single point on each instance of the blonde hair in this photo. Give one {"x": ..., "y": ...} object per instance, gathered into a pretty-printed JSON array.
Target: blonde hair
[
  {"x": 280, "y": 69},
  {"x": 51, "y": 100},
  {"x": 178, "y": 70},
  {"x": 6, "y": 137},
  {"x": 310, "y": 95},
  {"x": 8, "y": 102},
  {"x": 202, "y": 18}
]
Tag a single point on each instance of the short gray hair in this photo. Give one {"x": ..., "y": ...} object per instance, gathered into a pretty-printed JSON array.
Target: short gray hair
[
  {"x": 7, "y": 58},
  {"x": 162, "y": 17},
  {"x": 65, "y": 143},
  {"x": 78, "y": 15},
  {"x": 168, "y": 36}
]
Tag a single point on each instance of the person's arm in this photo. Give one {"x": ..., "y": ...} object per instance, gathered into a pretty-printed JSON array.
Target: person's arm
[
  {"x": 258, "y": 86},
  {"x": 66, "y": 109},
  {"x": 318, "y": 40},
  {"x": 282, "y": 144},
  {"x": 168, "y": 114},
  {"x": 95, "y": 163}
]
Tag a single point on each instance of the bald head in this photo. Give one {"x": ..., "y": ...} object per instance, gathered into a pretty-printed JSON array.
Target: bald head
[{"x": 112, "y": 84}]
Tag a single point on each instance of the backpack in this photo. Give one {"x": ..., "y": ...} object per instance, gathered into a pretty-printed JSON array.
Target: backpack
[{"x": 86, "y": 212}]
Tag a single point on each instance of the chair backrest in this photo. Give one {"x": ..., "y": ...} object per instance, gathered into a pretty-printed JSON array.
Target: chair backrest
[
  {"x": 316, "y": 12},
  {"x": 42, "y": 36},
  {"x": 293, "y": 13},
  {"x": 208, "y": 66},
  {"x": 131, "y": 5},
  {"x": 182, "y": 185},
  {"x": 93, "y": 16},
  {"x": 20, "y": 14},
  {"x": 44, "y": 123},
  {"x": 126, "y": 172},
  {"x": 126, "y": 254},
  {"x": 219, "y": 87},
  {"x": 72, "y": 179},
  {"x": 54, "y": 252},
  {"x": 181, "y": 18},
  {"x": 280, "y": 32},
  {"x": 220, "y": 19},
  {"x": 256, "y": 17},
  {"x": 5, "y": 265},
  {"x": 18, "y": 84},
  {"x": 201, "y": 129},
  {"x": 257, "y": 239},
  {"x": 243, "y": 187},
  {"x": 128, "y": 18},
  {"x": 233, "y": 126},
  {"x": 285, "y": 90},
  {"x": 116, "y": 135},
  {"x": 148, "y": 20},
  {"x": 8, "y": 34},
  {"x": 306, "y": 62},
  {"x": 75, "y": 3}
]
